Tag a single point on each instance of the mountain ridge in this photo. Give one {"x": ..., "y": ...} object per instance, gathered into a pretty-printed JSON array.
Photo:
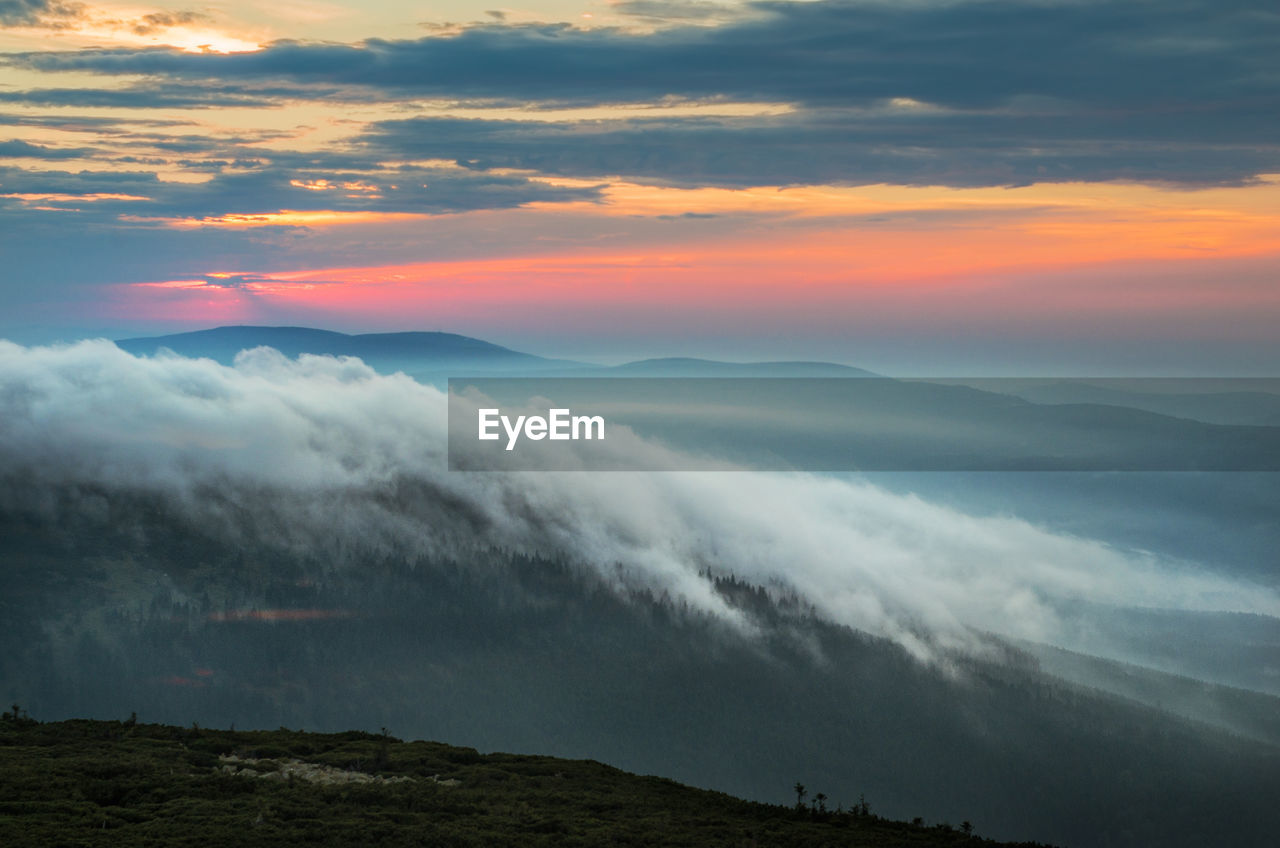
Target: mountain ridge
[
  {"x": 424, "y": 353},
  {"x": 222, "y": 343}
]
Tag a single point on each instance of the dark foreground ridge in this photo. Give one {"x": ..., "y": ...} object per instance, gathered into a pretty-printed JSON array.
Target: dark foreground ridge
[{"x": 123, "y": 783}]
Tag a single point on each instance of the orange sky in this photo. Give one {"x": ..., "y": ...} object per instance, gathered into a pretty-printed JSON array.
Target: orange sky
[{"x": 1129, "y": 254}]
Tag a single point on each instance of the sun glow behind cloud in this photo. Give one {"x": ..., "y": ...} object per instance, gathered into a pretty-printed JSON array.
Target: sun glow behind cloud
[
  {"x": 288, "y": 218},
  {"x": 78, "y": 25}
]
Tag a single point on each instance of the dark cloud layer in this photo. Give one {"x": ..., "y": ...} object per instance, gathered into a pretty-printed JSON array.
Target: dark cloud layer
[
  {"x": 1181, "y": 91},
  {"x": 835, "y": 147},
  {"x": 21, "y": 149},
  {"x": 958, "y": 55}
]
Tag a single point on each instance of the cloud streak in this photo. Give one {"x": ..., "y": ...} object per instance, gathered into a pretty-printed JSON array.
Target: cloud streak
[{"x": 254, "y": 187}]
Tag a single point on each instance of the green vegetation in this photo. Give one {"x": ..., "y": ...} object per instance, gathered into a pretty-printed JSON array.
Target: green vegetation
[{"x": 104, "y": 783}]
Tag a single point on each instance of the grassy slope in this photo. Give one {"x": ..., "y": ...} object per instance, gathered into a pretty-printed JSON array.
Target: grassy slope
[{"x": 116, "y": 783}]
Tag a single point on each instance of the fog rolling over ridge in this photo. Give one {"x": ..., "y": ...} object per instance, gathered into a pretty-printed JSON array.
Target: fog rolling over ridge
[
  {"x": 158, "y": 510},
  {"x": 339, "y": 459}
]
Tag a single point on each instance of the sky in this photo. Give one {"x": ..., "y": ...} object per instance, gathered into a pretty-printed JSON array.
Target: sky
[{"x": 1011, "y": 186}]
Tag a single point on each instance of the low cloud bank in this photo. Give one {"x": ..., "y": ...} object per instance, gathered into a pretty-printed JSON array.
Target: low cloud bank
[{"x": 323, "y": 454}]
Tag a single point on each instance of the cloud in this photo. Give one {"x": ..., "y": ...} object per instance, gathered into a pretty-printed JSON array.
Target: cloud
[
  {"x": 266, "y": 188},
  {"x": 63, "y": 15},
  {"x": 323, "y": 455},
  {"x": 958, "y": 93},
  {"x": 16, "y": 148},
  {"x": 47, "y": 14},
  {"x": 168, "y": 96},
  {"x": 159, "y": 21},
  {"x": 130, "y": 225},
  {"x": 114, "y": 126},
  {"x": 885, "y": 145},
  {"x": 677, "y": 10}
]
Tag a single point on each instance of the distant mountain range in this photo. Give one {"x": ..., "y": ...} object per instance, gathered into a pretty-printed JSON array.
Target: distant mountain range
[
  {"x": 998, "y": 423},
  {"x": 431, "y": 356},
  {"x": 686, "y": 367}
]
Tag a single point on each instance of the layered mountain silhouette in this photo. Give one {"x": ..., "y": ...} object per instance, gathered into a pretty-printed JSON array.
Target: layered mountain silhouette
[
  {"x": 874, "y": 423},
  {"x": 433, "y": 355}
]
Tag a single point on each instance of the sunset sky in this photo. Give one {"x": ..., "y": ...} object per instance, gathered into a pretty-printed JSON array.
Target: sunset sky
[{"x": 929, "y": 186}]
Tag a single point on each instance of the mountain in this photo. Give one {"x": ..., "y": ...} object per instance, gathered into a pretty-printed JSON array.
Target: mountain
[
  {"x": 688, "y": 367},
  {"x": 431, "y": 356},
  {"x": 417, "y": 353},
  {"x": 1258, "y": 408},
  {"x": 199, "y": 551},
  {"x": 131, "y": 784},
  {"x": 868, "y": 424},
  {"x": 1246, "y": 713},
  {"x": 964, "y": 427},
  {"x": 126, "y": 603}
]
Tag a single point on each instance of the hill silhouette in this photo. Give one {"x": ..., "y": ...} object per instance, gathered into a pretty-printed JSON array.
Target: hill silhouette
[{"x": 411, "y": 352}]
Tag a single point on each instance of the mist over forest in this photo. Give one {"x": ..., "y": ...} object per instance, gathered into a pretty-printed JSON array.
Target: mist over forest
[{"x": 1086, "y": 659}]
